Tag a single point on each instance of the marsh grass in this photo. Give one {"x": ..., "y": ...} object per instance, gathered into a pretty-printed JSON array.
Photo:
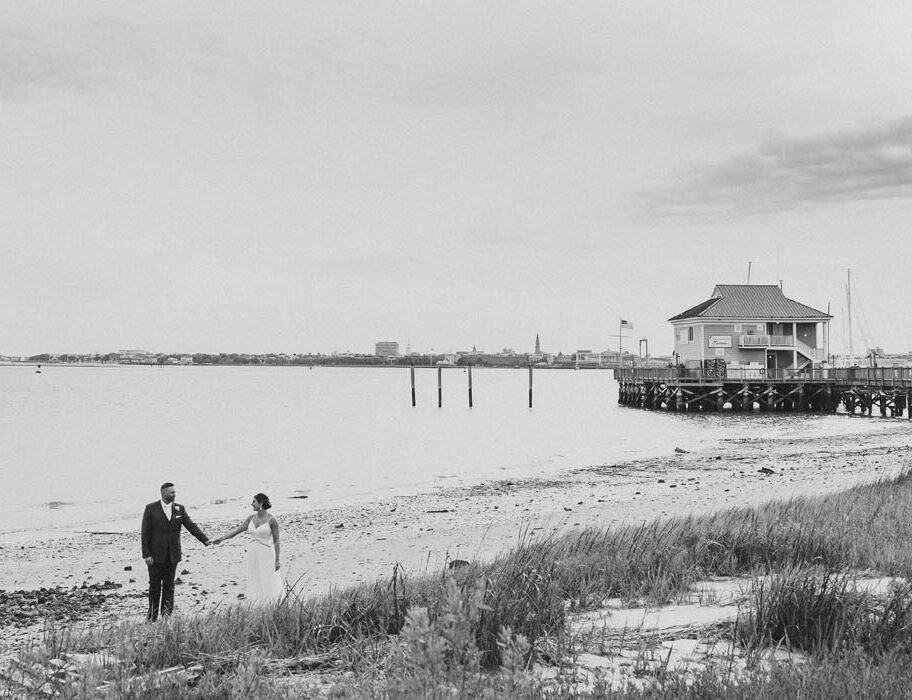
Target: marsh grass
[
  {"x": 866, "y": 527},
  {"x": 822, "y": 613},
  {"x": 475, "y": 630}
]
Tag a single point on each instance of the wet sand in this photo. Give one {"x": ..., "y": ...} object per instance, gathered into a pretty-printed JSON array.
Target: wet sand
[{"x": 343, "y": 546}]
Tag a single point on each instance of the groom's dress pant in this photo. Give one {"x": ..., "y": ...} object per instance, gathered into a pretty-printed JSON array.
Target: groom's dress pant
[{"x": 161, "y": 588}]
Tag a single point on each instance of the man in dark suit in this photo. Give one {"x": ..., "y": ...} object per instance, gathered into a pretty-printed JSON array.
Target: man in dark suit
[{"x": 161, "y": 547}]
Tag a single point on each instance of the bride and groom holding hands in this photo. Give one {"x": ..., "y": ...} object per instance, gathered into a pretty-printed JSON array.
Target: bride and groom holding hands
[{"x": 161, "y": 549}]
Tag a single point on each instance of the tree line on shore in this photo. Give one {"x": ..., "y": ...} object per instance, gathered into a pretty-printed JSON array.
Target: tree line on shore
[{"x": 318, "y": 359}]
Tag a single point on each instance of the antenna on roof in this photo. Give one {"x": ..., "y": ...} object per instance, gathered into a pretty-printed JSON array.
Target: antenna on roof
[
  {"x": 780, "y": 285},
  {"x": 748, "y": 271}
]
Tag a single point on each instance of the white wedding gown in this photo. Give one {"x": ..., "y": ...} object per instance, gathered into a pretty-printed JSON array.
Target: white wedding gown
[{"x": 264, "y": 583}]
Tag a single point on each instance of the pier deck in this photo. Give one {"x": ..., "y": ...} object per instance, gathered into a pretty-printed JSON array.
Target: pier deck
[{"x": 857, "y": 389}]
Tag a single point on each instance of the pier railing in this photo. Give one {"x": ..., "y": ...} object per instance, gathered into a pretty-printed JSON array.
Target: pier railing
[
  {"x": 879, "y": 376},
  {"x": 765, "y": 341},
  {"x": 779, "y": 341}
]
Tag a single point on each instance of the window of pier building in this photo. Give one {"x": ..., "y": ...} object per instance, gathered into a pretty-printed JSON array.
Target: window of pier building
[{"x": 685, "y": 335}]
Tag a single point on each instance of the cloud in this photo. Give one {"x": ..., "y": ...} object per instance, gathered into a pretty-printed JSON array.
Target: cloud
[
  {"x": 367, "y": 263},
  {"x": 788, "y": 173},
  {"x": 27, "y": 62}
]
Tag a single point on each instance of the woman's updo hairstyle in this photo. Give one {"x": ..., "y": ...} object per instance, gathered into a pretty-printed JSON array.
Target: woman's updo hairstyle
[{"x": 263, "y": 500}]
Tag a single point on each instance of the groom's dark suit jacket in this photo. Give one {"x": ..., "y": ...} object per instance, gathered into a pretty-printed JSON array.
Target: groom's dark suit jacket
[{"x": 161, "y": 537}]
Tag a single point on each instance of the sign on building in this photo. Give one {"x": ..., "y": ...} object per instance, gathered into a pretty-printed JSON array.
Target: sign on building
[{"x": 720, "y": 341}]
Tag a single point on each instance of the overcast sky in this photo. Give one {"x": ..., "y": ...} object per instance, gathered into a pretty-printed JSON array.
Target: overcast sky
[{"x": 217, "y": 176}]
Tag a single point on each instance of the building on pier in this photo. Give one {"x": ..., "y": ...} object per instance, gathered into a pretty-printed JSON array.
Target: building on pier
[
  {"x": 748, "y": 328},
  {"x": 750, "y": 348}
]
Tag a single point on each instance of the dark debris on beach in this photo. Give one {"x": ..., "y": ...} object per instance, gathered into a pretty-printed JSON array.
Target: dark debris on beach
[{"x": 25, "y": 608}]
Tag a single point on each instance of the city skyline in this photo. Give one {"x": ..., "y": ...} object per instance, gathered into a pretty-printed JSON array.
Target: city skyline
[
  {"x": 637, "y": 347},
  {"x": 404, "y": 350},
  {"x": 218, "y": 175}
]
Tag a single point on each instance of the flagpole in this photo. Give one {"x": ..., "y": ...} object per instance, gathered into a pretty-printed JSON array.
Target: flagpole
[{"x": 620, "y": 338}]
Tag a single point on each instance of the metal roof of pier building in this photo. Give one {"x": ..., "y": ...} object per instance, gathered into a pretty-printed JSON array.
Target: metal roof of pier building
[{"x": 744, "y": 301}]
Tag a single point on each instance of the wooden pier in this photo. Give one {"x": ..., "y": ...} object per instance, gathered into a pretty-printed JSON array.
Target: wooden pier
[{"x": 859, "y": 390}]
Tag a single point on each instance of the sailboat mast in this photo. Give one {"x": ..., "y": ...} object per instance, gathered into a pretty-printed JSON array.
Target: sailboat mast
[{"x": 849, "y": 308}]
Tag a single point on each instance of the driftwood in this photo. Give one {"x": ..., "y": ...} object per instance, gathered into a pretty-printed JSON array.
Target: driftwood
[
  {"x": 316, "y": 662},
  {"x": 187, "y": 673},
  {"x": 49, "y": 677}
]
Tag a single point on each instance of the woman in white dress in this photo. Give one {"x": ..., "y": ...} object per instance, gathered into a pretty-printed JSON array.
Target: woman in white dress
[{"x": 264, "y": 580}]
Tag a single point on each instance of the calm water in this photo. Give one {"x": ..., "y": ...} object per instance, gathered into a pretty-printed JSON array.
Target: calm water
[{"x": 87, "y": 446}]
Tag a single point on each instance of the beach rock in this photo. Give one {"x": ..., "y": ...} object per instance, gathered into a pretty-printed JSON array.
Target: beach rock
[
  {"x": 23, "y": 608},
  {"x": 128, "y": 568}
]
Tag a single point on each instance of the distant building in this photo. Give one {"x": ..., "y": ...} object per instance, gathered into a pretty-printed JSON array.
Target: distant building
[
  {"x": 538, "y": 356},
  {"x": 386, "y": 348},
  {"x": 136, "y": 357},
  {"x": 605, "y": 358}
]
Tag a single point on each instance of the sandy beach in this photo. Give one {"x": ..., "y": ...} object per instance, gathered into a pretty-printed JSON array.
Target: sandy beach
[{"x": 344, "y": 546}]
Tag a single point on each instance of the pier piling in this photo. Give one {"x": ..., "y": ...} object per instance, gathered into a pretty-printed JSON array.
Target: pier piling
[
  {"x": 530, "y": 386},
  {"x": 856, "y": 390},
  {"x": 470, "y": 386}
]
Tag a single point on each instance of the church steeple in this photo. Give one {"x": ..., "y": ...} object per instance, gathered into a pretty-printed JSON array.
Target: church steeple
[{"x": 537, "y": 345}]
